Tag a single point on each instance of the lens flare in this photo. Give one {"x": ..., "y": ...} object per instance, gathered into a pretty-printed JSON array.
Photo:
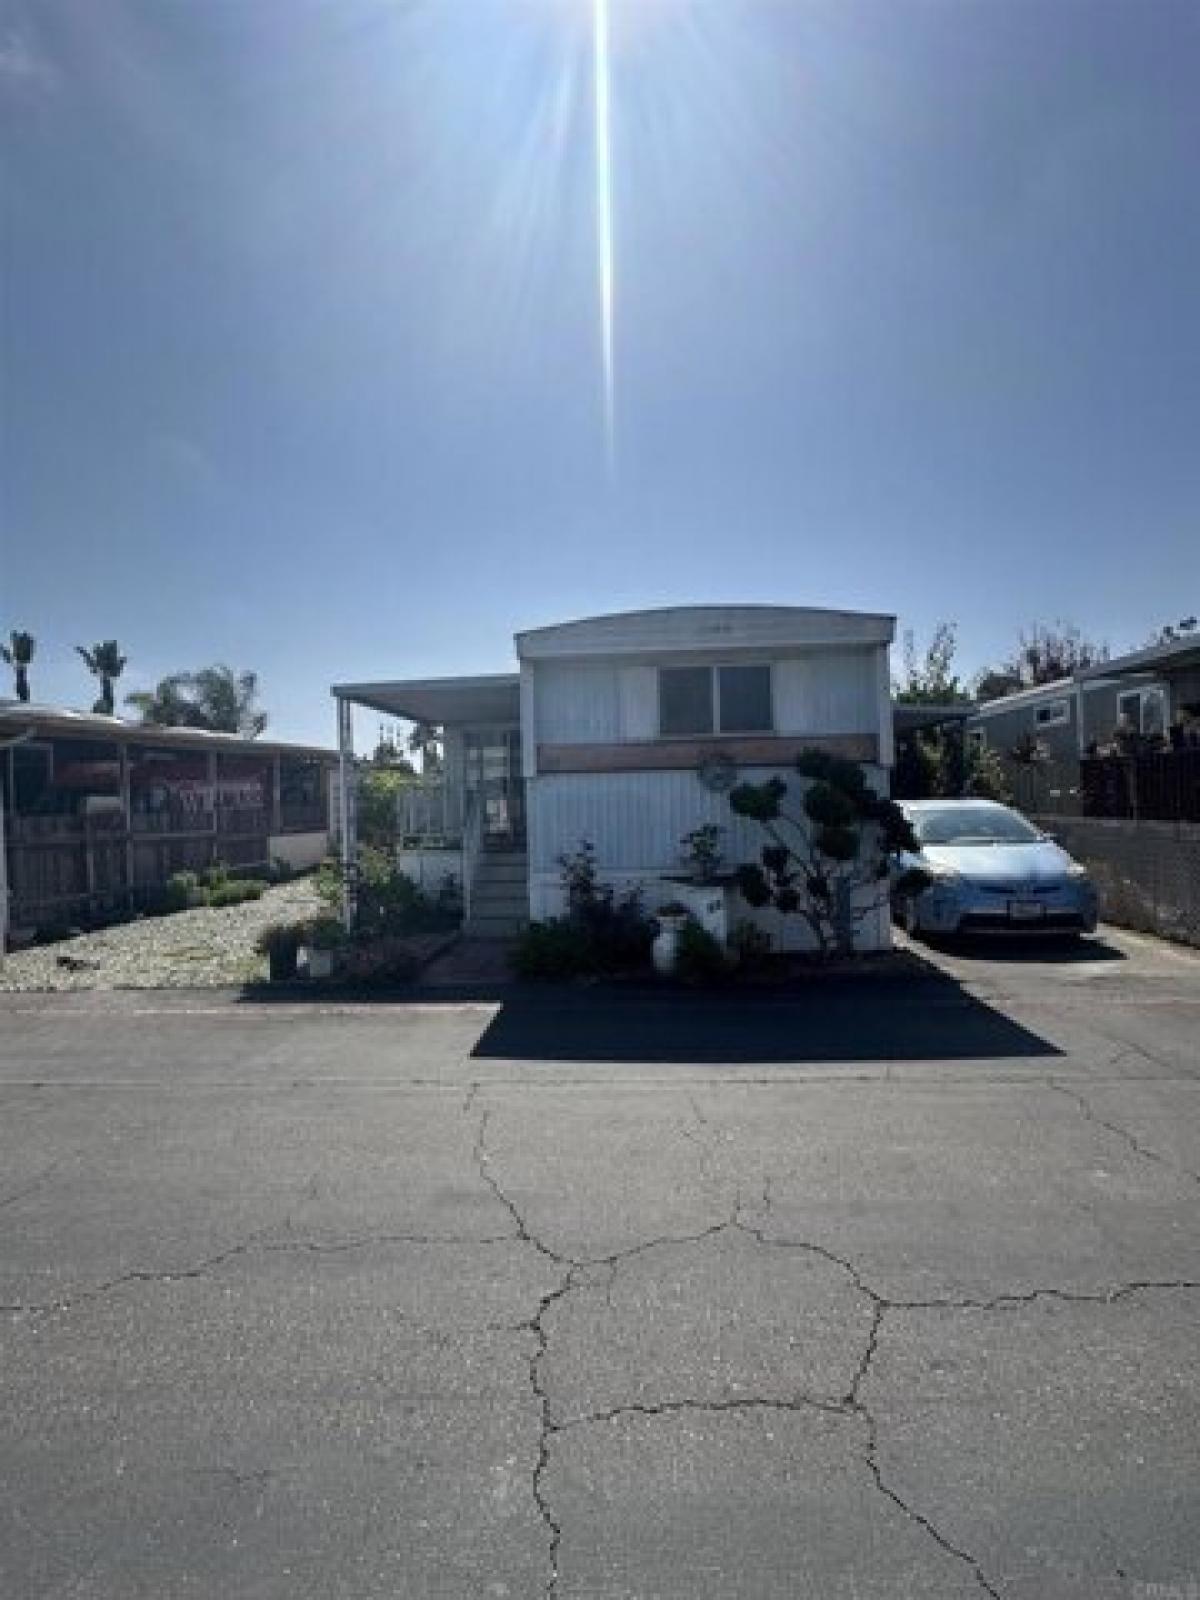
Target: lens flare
[{"x": 604, "y": 216}]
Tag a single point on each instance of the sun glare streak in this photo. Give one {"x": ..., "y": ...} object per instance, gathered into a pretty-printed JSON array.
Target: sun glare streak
[{"x": 604, "y": 222}]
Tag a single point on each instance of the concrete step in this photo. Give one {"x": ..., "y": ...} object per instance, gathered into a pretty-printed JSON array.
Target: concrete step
[
  {"x": 493, "y": 927},
  {"x": 502, "y": 869},
  {"x": 505, "y": 895}
]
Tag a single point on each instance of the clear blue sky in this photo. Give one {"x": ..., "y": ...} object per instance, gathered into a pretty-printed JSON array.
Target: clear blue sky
[{"x": 301, "y": 349}]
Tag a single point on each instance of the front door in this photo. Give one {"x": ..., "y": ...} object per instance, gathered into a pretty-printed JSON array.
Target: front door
[{"x": 493, "y": 757}]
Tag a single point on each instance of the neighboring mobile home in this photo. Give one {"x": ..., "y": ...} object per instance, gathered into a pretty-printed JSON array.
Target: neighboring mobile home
[
  {"x": 628, "y": 731},
  {"x": 1148, "y": 698},
  {"x": 98, "y": 812}
]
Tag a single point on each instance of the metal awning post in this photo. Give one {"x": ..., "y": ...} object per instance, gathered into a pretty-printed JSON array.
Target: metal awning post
[{"x": 348, "y": 809}]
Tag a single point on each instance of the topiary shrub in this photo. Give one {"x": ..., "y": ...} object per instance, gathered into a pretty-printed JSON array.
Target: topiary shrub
[{"x": 830, "y": 863}]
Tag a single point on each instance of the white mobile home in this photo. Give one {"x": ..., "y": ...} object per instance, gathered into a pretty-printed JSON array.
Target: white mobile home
[{"x": 628, "y": 731}]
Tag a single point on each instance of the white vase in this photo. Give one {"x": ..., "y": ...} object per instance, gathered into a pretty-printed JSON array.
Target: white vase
[
  {"x": 664, "y": 951},
  {"x": 320, "y": 963}
]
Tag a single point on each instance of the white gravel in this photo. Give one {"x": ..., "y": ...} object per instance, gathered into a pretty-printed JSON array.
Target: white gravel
[{"x": 201, "y": 949}]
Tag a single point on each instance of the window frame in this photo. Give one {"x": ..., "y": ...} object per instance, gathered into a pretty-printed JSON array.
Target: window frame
[
  {"x": 1155, "y": 691},
  {"x": 1053, "y": 714},
  {"x": 714, "y": 670}
]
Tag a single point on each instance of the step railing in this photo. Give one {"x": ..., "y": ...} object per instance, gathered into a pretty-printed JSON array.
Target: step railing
[{"x": 472, "y": 849}]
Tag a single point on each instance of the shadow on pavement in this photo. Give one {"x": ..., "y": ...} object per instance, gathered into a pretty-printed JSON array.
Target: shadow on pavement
[
  {"x": 1028, "y": 949},
  {"x": 918, "y": 1013},
  {"x": 919, "y": 1019}
]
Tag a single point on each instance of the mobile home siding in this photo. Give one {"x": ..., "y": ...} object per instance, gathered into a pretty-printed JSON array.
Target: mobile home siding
[
  {"x": 636, "y": 821},
  {"x": 1002, "y": 729},
  {"x": 608, "y": 702}
]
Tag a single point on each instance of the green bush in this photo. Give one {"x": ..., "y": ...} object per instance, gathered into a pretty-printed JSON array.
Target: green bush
[
  {"x": 750, "y": 946},
  {"x": 324, "y": 933},
  {"x": 699, "y": 958},
  {"x": 215, "y": 876},
  {"x": 552, "y": 950},
  {"x": 182, "y": 889},
  {"x": 235, "y": 891}
]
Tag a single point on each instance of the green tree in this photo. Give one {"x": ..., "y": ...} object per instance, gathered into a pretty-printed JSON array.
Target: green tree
[
  {"x": 18, "y": 653},
  {"x": 378, "y": 793},
  {"x": 425, "y": 741},
  {"x": 216, "y": 698},
  {"x": 930, "y": 679},
  {"x": 166, "y": 705},
  {"x": 828, "y": 863},
  {"x": 984, "y": 777},
  {"x": 1044, "y": 655},
  {"x": 104, "y": 661},
  {"x": 995, "y": 682}
]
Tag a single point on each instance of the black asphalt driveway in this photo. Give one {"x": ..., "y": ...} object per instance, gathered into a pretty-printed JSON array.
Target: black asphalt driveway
[{"x": 875, "y": 1290}]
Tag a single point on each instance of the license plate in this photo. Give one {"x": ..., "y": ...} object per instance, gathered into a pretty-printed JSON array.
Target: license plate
[{"x": 1026, "y": 910}]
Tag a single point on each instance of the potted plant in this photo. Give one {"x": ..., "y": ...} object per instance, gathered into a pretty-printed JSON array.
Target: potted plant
[
  {"x": 322, "y": 939},
  {"x": 280, "y": 943},
  {"x": 702, "y": 851},
  {"x": 672, "y": 919}
]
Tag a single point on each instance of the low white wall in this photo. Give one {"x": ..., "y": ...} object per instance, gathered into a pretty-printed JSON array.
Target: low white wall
[
  {"x": 299, "y": 850},
  {"x": 431, "y": 869},
  {"x": 636, "y": 820}
]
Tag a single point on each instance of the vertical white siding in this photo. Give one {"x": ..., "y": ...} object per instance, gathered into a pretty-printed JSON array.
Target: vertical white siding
[
  {"x": 827, "y": 691},
  {"x": 636, "y": 821},
  {"x": 601, "y": 702},
  {"x": 577, "y": 702},
  {"x": 639, "y": 702}
]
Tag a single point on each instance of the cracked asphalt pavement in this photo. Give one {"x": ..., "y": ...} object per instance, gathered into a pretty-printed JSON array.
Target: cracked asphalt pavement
[{"x": 871, "y": 1289}]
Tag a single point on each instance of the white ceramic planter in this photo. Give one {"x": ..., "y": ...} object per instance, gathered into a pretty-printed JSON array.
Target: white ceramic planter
[
  {"x": 320, "y": 963},
  {"x": 665, "y": 948}
]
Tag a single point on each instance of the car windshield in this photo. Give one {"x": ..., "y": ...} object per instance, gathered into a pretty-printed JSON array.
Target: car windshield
[{"x": 973, "y": 825}]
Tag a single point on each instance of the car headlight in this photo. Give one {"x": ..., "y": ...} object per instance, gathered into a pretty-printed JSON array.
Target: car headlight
[
  {"x": 943, "y": 876},
  {"x": 1075, "y": 871}
]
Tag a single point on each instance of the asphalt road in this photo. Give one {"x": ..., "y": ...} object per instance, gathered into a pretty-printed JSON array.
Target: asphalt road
[{"x": 884, "y": 1289}]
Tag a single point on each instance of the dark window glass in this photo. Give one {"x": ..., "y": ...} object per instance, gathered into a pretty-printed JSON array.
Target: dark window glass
[
  {"x": 745, "y": 699},
  {"x": 685, "y": 701}
]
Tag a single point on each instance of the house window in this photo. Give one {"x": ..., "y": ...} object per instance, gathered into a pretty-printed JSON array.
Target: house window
[
  {"x": 1053, "y": 715},
  {"x": 705, "y": 700},
  {"x": 1146, "y": 710},
  {"x": 685, "y": 701},
  {"x": 744, "y": 699}
]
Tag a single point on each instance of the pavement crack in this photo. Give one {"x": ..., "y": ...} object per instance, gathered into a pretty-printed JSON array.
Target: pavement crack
[
  {"x": 483, "y": 1164},
  {"x": 667, "y": 1408},
  {"x": 1090, "y": 1114},
  {"x": 251, "y": 1247},
  {"x": 918, "y": 1517},
  {"x": 1006, "y": 1302}
]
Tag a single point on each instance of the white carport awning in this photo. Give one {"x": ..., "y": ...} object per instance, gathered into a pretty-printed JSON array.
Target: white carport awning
[{"x": 491, "y": 700}]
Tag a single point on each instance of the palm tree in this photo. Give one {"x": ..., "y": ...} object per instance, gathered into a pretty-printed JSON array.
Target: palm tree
[
  {"x": 216, "y": 698},
  {"x": 18, "y": 653},
  {"x": 104, "y": 661},
  {"x": 226, "y": 700},
  {"x": 167, "y": 704}
]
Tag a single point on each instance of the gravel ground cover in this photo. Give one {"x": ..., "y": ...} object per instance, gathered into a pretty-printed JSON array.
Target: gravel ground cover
[{"x": 210, "y": 947}]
